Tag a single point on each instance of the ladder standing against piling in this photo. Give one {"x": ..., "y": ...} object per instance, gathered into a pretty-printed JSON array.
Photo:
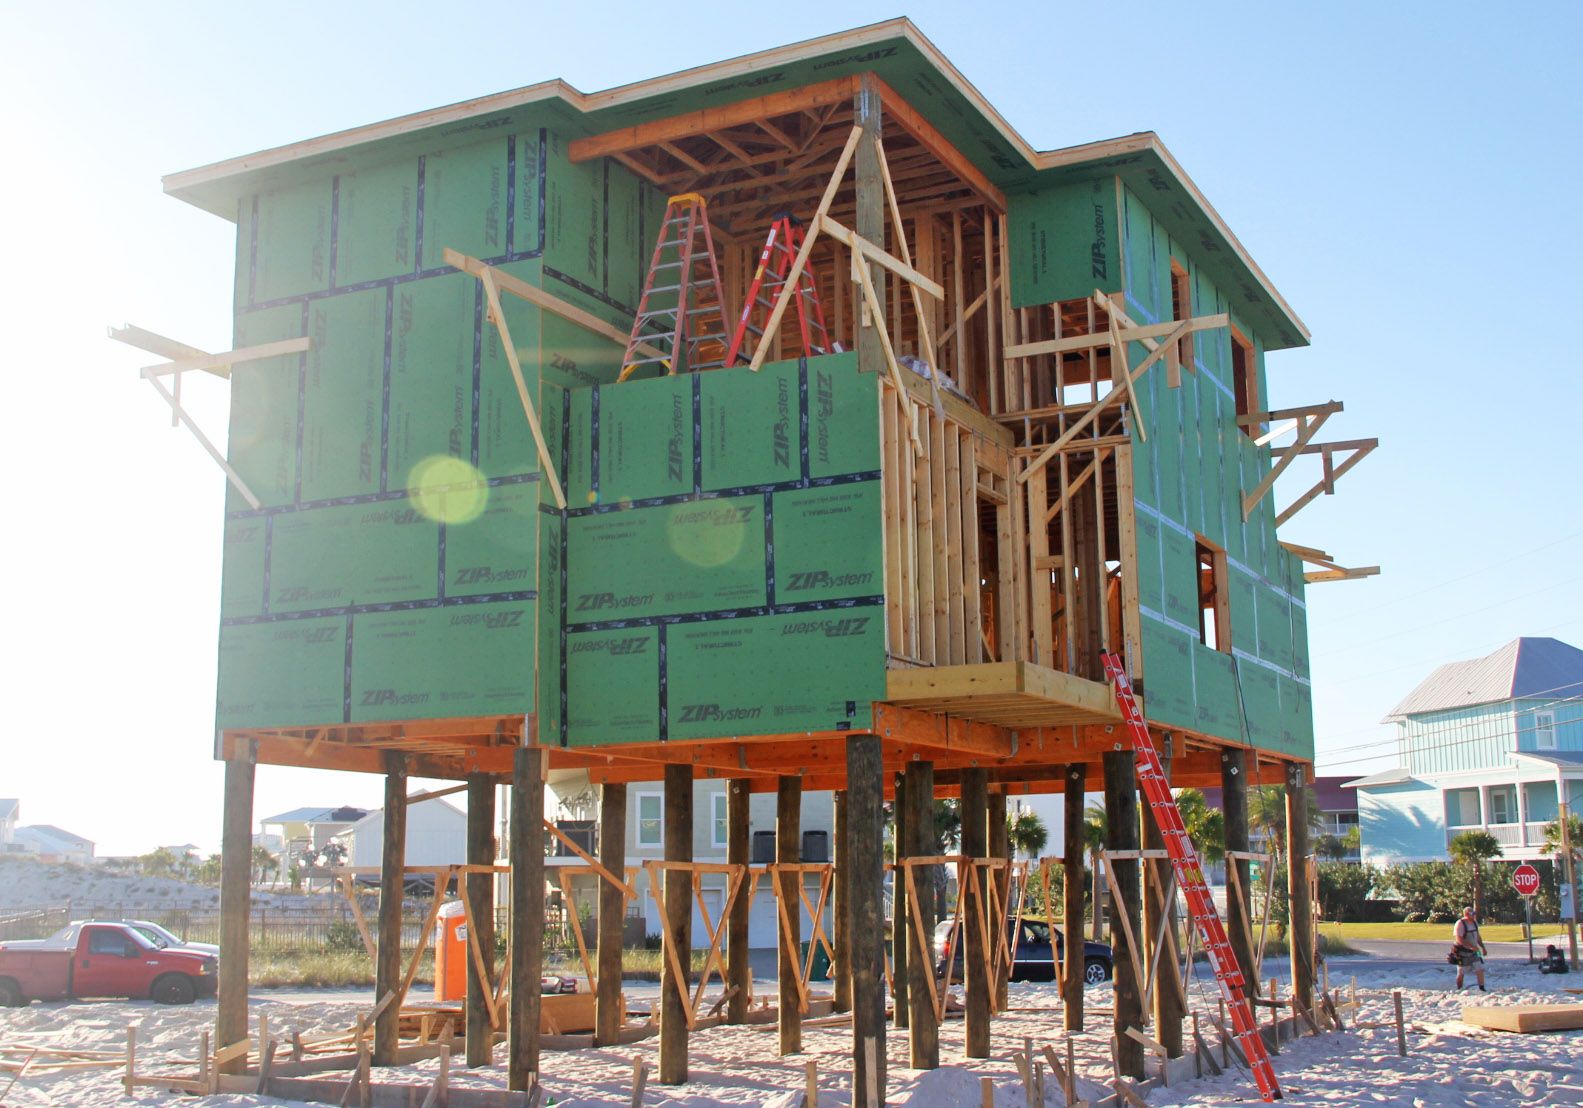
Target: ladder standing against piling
[
  {"x": 681, "y": 320},
  {"x": 1190, "y": 877}
]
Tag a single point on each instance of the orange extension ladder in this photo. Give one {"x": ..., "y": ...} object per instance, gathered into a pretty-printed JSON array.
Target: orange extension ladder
[
  {"x": 775, "y": 261},
  {"x": 681, "y": 320},
  {"x": 1190, "y": 876}
]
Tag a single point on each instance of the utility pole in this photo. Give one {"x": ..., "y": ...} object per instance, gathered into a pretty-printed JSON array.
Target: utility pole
[{"x": 1571, "y": 879}]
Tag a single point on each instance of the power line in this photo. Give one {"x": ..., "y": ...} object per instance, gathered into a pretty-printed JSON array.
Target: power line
[
  {"x": 1442, "y": 661},
  {"x": 1451, "y": 618},
  {"x": 1411, "y": 749},
  {"x": 1536, "y": 707},
  {"x": 1373, "y": 608}
]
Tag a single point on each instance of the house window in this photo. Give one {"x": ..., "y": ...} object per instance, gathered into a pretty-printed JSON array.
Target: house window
[
  {"x": 1182, "y": 308},
  {"x": 1545, "y": 730},
  {"x": 1214, "y": 610},
  {"x": 651, "y": 823},
  {"x": 1245, "y": 380},
  {"x": 718, "y": 823}
]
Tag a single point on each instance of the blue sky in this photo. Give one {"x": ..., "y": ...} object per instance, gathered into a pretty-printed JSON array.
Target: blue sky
[{"x": 1407, "y": 176}]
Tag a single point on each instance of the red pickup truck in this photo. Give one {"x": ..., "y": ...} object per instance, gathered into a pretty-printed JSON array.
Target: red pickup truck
[{"x": 101, "y": 959}]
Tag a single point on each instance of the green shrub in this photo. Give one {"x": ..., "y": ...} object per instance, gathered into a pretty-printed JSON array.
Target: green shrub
[
  {"x": 1344, "y": 890},
  {"x": 343, "y": 935}
]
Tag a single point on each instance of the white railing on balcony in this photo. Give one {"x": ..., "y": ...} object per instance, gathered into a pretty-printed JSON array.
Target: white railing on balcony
[
  {"x": 1536, "y": 832},
  {"x": 1507, "y": 834}
]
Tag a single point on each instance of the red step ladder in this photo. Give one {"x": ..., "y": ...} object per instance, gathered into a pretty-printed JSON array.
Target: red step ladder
[
  {"x": 775, "y": 262},
  {"x": 1190, "y": 876},
  {"x": 681, "y": 320}
]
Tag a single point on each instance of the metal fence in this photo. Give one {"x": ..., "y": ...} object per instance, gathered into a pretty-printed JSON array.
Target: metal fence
[{"x": 272, "y": 929}]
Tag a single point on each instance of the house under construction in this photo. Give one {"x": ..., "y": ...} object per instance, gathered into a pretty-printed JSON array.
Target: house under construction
[{"x": 790, "y": 421}]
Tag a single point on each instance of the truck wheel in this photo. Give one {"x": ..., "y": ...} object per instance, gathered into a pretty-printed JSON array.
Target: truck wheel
[
  {"x": 11, "y": 994},
  {"x": 173, "y": 988},
  {"x": 1094, "y": 972}
]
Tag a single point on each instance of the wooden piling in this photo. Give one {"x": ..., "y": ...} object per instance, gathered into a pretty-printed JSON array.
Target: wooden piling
[
  {"x": 1072, "y": 888},
  {"x": 865, "y": 825},
  {"x": 901, "y": 917},
  {"x": 678, "y": 924},
  {"x": 527, "y": 916},
  {"x": 788, "y": 849},
  {"x": 923, "y": 1027},
  {"x": 1239, "y": 904},
  {"x": 739, "y": 968},
  {"x": 609, "y": 1010},
  {"x": 236, "y": 868},
  {"x": 481, "y": 898},
  {"x": 1121, "y": 832},
  {"x": 841, "y": 910},
  {"x": 1169, "y": 1002},
  {"x": 978, "y": 987},
  {"x": 392, "y": 881},
  {"x": 1300, "y": 893}
]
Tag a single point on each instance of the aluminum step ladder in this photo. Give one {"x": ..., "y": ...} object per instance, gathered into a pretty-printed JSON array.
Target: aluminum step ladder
[
  {"x": 681, "y": 322},
  {"x": 1190, "y": 878}
]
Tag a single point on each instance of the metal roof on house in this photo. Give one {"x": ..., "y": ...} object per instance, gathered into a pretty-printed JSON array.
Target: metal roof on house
[
  {"x": 46, "y": 832},
  {"x": 1554, "y": 758},
  {"x": 1396, "y": 776},
  {"x": 1524, "y": 668},
  {"x": 318, "y": 815}
]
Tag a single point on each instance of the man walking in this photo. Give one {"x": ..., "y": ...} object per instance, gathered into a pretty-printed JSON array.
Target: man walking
[{"x": 1469, "y": 949}]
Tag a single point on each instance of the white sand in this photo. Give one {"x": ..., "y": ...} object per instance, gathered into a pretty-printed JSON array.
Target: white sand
[{"x": 1450, "y": 1064}]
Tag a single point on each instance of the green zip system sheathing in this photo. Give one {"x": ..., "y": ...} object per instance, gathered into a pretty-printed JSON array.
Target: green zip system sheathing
[
  {"x": 391, "y": 572},
  {"x": 722, "y": 553},
  {"x": 1188, "y": 475},
  {"x": 1188, "y": 479}
]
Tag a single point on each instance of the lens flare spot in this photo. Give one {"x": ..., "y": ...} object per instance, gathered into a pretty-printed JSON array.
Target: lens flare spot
[
  {"x": 447, "y": 490},
  {"x": 708, "y": 535}
]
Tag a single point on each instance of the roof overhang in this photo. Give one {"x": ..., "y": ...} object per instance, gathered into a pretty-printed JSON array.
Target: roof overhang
[{"x": 895, "y": 50}]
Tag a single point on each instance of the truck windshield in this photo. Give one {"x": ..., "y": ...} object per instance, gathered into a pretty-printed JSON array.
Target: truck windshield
[{"x": 151, "y": 935}]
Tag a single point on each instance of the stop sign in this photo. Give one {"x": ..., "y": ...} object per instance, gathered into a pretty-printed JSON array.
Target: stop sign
[{"x": 1525, "y": 879}]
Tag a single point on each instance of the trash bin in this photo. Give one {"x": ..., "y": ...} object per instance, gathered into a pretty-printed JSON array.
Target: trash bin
[
  {"x": 821, "y": 962},
  {"x": 450, "y": 952}
]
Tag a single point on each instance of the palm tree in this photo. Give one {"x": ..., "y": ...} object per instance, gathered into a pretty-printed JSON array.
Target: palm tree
[
  {"x": 1267, "y": 816},
  {"x": 1206, "y": 826},
  {"x": 263, "y": 864},
  {"x": 1475, "y": 848},
  {"x": 1027, "y": 834},
  {"x": 1094, "y": 840},
  {"x": 947, "y": 839},
  {"x": 1574, "y": 833}
]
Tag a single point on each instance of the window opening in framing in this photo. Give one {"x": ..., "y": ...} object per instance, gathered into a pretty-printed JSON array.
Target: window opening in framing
[
  {"x": 1214, "y": 609},
  {"x": 1081, "y": 371},
  {"x": 1245, "y": 380},
  {"x": 1182, "y": 308}
]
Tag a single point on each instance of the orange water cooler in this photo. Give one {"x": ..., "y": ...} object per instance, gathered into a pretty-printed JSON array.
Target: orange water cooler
[{"x": 450, "y": 952}]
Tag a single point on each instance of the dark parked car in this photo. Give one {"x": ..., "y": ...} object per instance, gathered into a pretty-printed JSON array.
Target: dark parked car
[{"x": 1032, "y": 961}]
